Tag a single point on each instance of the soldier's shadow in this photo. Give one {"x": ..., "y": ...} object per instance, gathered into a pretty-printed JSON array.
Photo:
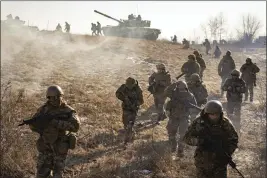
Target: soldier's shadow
[
  {"x": 147, "y": 114},
  {"x": 105, "y": 139}
]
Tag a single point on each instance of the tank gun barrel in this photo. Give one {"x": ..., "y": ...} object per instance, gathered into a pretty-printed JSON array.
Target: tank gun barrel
[{"x": 107, "y": 16}]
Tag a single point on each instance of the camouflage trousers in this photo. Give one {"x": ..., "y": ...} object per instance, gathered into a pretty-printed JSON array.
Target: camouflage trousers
[
  {"x": 159, "y": 100},
  {"x": 249, "y": 89},
  {"x": 209, "y": 166},
  {"x": 234, "y": 113},
  {"x": 51, "y": 158},
  {"x": 174, "y": 126},
  {"x": 224, "y": 77},
  {"x": 128, "y": 119},
  {"x": 218, "y": 172}
]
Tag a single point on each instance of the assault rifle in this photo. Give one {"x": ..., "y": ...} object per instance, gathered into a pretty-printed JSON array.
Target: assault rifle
[{"x": 42, "y": 121}]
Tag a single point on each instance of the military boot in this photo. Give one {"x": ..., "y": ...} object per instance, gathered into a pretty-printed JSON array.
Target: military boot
[
  {"x": 173, "y": 144},
  {"x": 180, "y": 150}
]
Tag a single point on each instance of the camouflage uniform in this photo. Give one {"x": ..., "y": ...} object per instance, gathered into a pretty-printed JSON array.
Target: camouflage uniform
[
  {"x": 235, "y": 88},
  {"x": 67, "y": 27},
  {"x": 226, "y": 65},
  {"x": 98, "y": 28},
  {"x": 207, "y": 46},
  {"x": 201, "y": 62},
  {"x": 59, "y": 28},
  {"x": 54, "y": 141},
  {"x": 198, "y": 89},
  {"x": 179, "y": 114},
  {"x": 249, "y": 71},
  {"x": 217, "y": 52},
  {"x": 132, "y": 97},
  {"x": 185, "y": 43},
  {"x": 190, "y": 67},
  {"x": 160, "y": 80},
  {"x": 211, "y": 137}
]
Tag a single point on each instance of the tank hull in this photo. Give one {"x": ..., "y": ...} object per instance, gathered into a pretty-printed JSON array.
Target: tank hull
[{"x": 132, "y": 32}]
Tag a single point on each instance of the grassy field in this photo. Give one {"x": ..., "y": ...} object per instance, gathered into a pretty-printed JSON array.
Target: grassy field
[{"x": 89, "y": 70}]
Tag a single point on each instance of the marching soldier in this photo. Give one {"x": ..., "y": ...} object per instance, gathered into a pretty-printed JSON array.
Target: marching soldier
[
  {"x": 158, "y": 82},
  {"x": 132, "y": 97},
  {"x": 190, "y": 67},
  {"x": 216, "y": 140},
  {"x": 55, "y": 140},
  {"x": 235, "y": 88},
  {"x": 178, "y": 111},
  {"x": 226, "y": 65},
  {"x": 249, "y": 71}
]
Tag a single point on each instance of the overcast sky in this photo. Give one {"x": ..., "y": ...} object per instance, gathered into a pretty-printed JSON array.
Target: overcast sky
[{"x": 172, "y": 17}]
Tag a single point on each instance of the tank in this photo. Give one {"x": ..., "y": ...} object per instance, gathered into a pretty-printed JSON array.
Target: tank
[{"x": 131, "y": 28}]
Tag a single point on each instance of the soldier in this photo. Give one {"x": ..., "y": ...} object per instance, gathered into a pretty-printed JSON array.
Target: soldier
[
  {"x": 93, "y": 28},
  {"x": 158, "y": 82},
  {"x": 131, "y": 96},
  {"x": 249, "y": 71},
  {"x": 67, "y": 27},
  {"x": 190, "y": 67},
  {"x": 201, "y": 62},
  {"x": 217, "y": 53},
  {"x": 181, "y": 100},
  {"x": 55, "y": 140},
  {"x": 214, "y": 136},
  {"x": 207, "y": 46},
  {"x": 198, "y": 89},
  {"x": 98, "y": 28},
  {"x": 59, "y": 28},
  {"x": 235, "y": 88},
  {"x": 139, "y": 18},
  {"x": 226, "y": 65},
  {"x": 174, "y": 39},
  {"x": 185, "y": 43}
]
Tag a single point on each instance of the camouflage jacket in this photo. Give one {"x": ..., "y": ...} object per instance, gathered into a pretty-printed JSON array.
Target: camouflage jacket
[
  {"x": 199, "y": 91},
  {"x": 131, "y": 99},
  {"x": 223, "y": 135},
  {"x": 226, "y": 65},
  {"x": 180, "y": 103},
  {"x": 58, "y": 128},
  {"x": 160, "y": 81},
  {"x": 201, "y": 62},
  {"x": 235, "y": 89},
  {"x": 249, "y": 72},
  {"x": 190, "y": 67}
]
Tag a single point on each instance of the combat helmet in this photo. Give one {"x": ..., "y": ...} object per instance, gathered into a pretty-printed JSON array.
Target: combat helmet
[
  {"x": 213, "y": 107},
  {"x": 228, "y": 53},
  {"x": 196, "y": 53},
  {"x": 235, "y": 73},
  {"x": 192, "y": 57},
  {"x": 248, "y": 60},
  {"x": 130, "y": 82},
  {"x": 195, "y": 77},
  {"x": 160, "y": 66},
  {"x": 54, "y": 90}
]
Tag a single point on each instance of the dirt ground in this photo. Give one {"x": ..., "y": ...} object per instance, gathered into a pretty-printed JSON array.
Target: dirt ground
[{"x": 90, "y": 69}]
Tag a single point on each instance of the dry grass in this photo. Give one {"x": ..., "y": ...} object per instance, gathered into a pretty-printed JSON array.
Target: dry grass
[{"x": 90, "y": 69}]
